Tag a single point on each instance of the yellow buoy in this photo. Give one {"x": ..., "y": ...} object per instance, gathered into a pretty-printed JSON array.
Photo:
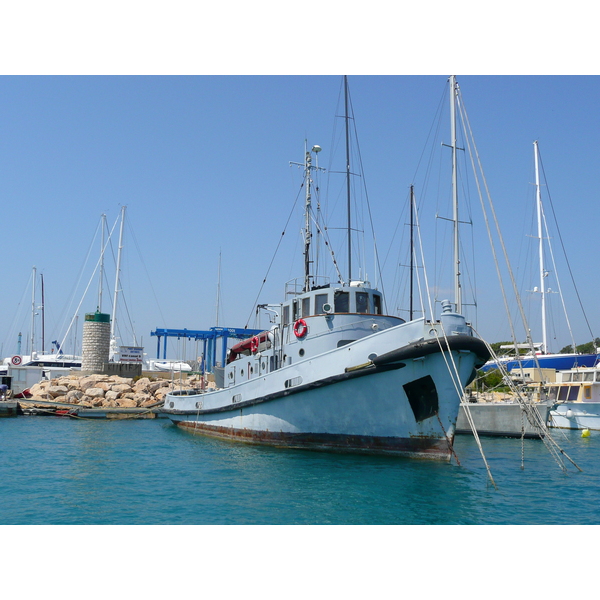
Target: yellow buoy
[{"x": 585, "y": 433}]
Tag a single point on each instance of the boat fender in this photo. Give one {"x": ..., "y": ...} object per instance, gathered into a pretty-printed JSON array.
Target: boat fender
[
  {"x": 300, "y": 328},
  {"x": 254, "y": 344}
]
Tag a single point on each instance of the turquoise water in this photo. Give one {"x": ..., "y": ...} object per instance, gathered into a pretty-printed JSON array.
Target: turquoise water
[{"x": 61, "y": 471}]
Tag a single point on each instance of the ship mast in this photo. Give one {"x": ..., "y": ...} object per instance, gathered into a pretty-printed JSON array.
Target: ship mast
[
  {"x": 543, "y": 272},
  {"x": 457, "y": 287},
  {"x": 346, "y": 118}
]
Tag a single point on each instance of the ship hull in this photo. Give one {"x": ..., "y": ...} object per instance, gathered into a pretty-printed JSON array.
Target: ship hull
[{"x": 403, "y": 402}]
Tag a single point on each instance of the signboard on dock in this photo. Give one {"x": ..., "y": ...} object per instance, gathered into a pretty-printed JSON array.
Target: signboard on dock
[{"x": 131, "y": 354}]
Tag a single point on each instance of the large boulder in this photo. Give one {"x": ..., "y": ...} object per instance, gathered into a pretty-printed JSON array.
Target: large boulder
[
  {"x": 57, "y": 390},
  {"x": 74, "y": 396},
  {"x": 94, "y": 392},
  {"x": 126, "y": 403},
  {"x": 121, "y": 388}
]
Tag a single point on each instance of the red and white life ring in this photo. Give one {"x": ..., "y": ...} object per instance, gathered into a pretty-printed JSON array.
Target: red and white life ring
[
  {"x": 254, "y": 344},
  {"x": 300, "y": 328},
  {"x": 16, "y": 360}
]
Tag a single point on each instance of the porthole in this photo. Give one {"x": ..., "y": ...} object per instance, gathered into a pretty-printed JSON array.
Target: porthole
[
  {"x": 230, "y": 374},
  {"x": 263, "y": 365},
  {"x": 301, "y": 352},
  {"x": 251, "y": 370},
  {"x": 199, "y": 404},
  {"x": 242, "y": 372},
  {"x": 171, "y": 404},
  {"x": 236, "y": 398}
]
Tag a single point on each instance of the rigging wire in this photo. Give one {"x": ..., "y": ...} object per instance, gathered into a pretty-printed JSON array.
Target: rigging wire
[{"x": 262, "y": 285}]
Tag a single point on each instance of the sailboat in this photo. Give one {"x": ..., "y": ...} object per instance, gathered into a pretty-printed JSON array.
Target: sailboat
[
  {"x": 335, "y": 373},
  {"x": 57, "y": 360},
  {"x": 537, "y": 355}
]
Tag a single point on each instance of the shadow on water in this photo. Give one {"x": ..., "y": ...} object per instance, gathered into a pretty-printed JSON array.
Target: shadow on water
[{"x": 150, "y": 472}]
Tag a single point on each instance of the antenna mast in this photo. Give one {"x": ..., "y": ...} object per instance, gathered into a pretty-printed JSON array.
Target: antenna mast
[{"x": 308, "y": 167}]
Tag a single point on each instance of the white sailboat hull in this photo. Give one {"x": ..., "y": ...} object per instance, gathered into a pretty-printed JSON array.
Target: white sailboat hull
[{"x": 576, "y": 415}]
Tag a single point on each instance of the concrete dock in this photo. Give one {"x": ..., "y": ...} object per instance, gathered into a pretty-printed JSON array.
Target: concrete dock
[{"x": 504, "y": 419}]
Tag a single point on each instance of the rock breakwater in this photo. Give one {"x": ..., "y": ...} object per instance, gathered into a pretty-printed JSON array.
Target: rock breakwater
[{"x": 108, "y": 391}]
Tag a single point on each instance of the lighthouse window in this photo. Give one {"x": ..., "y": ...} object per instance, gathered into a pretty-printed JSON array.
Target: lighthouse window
[
  {"x": 342, "y": 302},
  {"x": 377, "y": 304},
  {"x": 320, "y": 300},
  {"x": 362, "y": 302}
]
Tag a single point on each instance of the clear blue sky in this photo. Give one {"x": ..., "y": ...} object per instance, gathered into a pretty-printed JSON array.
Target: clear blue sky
[{"x": 202, "y": 164}]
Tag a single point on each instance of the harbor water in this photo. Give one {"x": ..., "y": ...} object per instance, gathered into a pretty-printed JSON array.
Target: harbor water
[{"x": 58, "y": 471}]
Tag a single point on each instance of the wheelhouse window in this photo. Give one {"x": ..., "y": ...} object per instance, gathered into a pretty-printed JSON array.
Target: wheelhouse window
[
  {"x": 320, "y": 300},
  {"x": 341, "y": 302},
  {"x": 377, "y": 304},
  {"x": 305, "y": 307},
  {"x": 362, "y": 302}
]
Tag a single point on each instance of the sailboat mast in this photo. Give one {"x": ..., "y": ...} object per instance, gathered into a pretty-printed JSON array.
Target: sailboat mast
[
  {"x": 43, "y": 319},
  {"x": 114, "y": 319},
  {"x": 541, "y": 244},
  {"x": 457, "y": 288},
  {"x": 412, "y": 266},
  {"x": 349, "y": 209},
  {"x": 103, "y": 219},
  {"x": 33, "y": 311}
]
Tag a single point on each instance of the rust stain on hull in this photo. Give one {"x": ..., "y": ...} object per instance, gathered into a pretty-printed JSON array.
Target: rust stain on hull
[{"x": 416, "y": 447}]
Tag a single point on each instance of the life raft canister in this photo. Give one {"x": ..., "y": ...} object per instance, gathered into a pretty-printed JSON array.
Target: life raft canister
[
  {"x": 254, "y": 344},
  {"x": 300, "y": 328}
]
